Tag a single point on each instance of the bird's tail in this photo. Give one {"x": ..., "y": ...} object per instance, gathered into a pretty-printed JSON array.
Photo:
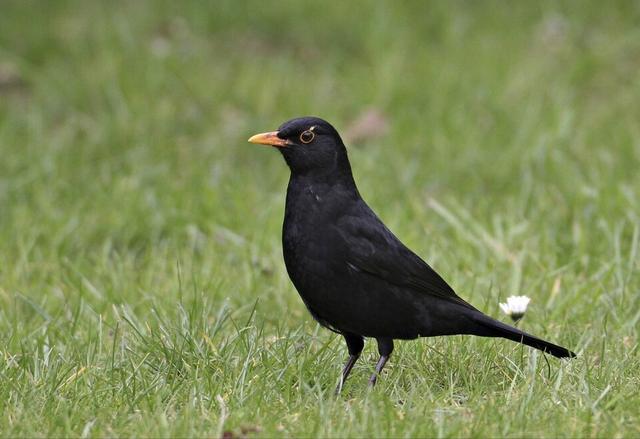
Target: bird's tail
[{"x": 494, "y": 328}]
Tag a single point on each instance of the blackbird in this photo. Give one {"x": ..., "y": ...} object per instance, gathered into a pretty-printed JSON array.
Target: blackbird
[{"x": 354, "y": 276}]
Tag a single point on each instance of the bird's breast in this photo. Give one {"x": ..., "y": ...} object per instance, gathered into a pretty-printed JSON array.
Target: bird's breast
[{"x": 309, "y": 238}]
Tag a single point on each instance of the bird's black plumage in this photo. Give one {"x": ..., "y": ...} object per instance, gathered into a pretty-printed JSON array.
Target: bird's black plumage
[{"x": 352, "y": 273}]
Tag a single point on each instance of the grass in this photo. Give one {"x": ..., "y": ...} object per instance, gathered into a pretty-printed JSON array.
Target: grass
[{"x": 142, "y": 288}]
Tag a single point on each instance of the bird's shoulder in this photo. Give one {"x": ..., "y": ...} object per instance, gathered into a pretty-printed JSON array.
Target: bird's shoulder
[{"x": 373, "y": 249}]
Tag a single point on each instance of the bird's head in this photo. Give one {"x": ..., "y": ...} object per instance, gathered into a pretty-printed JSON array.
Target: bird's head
[{"x": 310, "y": 145}]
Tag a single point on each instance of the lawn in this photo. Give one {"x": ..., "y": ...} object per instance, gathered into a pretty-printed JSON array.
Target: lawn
[{"x": 142, "y": 287}]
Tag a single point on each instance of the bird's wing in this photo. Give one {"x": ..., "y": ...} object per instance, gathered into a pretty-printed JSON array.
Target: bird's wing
[{"x": 372, "y": 248}]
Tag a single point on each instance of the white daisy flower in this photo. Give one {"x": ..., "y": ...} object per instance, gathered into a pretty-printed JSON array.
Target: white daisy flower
[{"x": 515, "y": 307}]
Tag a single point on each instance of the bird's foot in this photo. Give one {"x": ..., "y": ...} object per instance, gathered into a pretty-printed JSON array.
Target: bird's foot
[{"x": 381, "y": 362}]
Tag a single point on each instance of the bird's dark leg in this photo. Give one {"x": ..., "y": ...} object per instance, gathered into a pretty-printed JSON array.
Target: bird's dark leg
[
  {"x": 355, "y": 343},
  {"x": 385, "y": 347}
]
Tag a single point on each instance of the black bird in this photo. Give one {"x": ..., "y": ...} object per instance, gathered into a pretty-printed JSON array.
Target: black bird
[{"x": 355, "y": 277}]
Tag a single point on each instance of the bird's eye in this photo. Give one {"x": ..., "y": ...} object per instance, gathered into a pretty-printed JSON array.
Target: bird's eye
[{"x": 307, "y": 136}]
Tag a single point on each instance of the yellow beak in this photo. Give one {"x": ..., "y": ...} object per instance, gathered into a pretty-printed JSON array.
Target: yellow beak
[{"x": 271, "y": 138}]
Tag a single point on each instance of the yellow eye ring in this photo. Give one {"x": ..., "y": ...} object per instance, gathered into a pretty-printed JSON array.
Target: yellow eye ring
[{"x": 307, "y": 136}]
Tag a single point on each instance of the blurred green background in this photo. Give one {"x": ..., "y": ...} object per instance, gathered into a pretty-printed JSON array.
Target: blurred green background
[{"x": 142, "y": 288}]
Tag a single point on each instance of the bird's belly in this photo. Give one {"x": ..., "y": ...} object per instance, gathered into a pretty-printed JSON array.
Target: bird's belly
[{"x": 346, "y": 302}]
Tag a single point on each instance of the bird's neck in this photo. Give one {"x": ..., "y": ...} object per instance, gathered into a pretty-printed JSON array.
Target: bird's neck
[
  {"x": 311, "y": 197},
  {"x": 334, "y": 172},
  {"x": 324, "y": 180}
]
